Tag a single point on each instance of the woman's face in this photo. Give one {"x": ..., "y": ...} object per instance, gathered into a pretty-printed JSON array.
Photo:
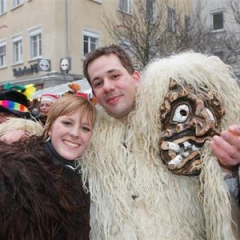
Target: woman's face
[
  {"x": 44, "y": 107},
  {"x": 70, "y": 135}
]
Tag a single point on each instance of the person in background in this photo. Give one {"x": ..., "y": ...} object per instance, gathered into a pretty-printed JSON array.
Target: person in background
[
  {"x": 41, "y": 191},
  {"x": 13, "y": 104},
  {"x": 16, "y": 121},
  {"x": 45, "y": 104}
]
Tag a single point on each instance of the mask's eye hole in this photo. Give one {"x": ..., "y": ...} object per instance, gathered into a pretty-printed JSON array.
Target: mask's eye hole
[{"x": 181, "y": 113}]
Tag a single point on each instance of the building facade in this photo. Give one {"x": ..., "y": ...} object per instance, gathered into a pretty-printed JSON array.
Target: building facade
[
  {"x": 222, "y": 19},
  {"x": 44, "y": 41}
]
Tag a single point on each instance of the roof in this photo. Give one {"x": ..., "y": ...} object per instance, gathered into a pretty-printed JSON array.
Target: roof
[{"x": 62, "y": 88}]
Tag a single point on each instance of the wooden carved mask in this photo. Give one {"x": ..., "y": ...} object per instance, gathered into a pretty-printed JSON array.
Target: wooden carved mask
[{"x": 189, "y": 119}]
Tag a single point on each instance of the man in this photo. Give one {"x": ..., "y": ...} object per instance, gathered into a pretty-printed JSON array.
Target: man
[
  {"x": 114, "y": 81},
  {"x": 133, "y": 195}
]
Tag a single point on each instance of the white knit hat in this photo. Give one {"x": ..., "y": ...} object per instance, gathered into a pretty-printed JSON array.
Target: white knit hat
[{"x": 49, "y": 98}]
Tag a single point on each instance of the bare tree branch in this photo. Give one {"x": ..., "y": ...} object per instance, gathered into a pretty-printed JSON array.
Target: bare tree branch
[{"x": 148, "y": 32}]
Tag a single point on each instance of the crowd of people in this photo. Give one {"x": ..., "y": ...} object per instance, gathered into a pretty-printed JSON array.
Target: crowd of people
[{"x": 156, "y": 157}]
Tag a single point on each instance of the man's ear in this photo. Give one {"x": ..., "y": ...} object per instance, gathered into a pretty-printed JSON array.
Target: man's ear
[{"x": 136, "y": 77}]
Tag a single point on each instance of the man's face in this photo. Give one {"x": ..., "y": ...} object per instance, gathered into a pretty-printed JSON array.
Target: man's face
[
  {"x": 113, "y": 86},
  {"x": 189, "y": 119}
]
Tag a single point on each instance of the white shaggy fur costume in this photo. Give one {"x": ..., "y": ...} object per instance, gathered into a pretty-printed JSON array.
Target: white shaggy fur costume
[
  {"x": 134, "y": 195},
  {"x": 29, "y": 126}
]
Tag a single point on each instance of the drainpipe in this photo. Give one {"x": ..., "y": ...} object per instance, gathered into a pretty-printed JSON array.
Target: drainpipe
[{"x": 67, "y": 33}]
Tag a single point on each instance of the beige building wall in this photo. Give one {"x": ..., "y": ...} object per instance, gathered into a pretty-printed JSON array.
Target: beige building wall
[{"x": 62, "y": 24}]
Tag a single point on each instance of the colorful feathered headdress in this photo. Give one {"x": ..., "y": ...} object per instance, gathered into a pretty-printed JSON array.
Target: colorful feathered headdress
[{"x": 28, "y": 90}]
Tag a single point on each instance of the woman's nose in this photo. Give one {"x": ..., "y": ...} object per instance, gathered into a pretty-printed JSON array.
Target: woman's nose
[{"x": 74, "y": 131}]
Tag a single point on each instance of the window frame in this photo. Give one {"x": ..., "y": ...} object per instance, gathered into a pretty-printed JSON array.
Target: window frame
[
  {"x": 171, "y": 19},
  {"x": 3, "y": 56},
  {"x": 35, "y": 44},
  {"x": 16, "y": 3},
  {"x": 17, "y": 49},
  {"x": 152, "y": 11},
  {"x": 214, "y": 23},
  {"x": 97, "y": 1},
  {"x": 3, "y": 6},
  {"x": 125, "y": 6},
  {"x": 91, "y": 36}
]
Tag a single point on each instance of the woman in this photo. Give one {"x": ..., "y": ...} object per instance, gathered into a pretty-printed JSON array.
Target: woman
[{"x": 41, "y": 192}]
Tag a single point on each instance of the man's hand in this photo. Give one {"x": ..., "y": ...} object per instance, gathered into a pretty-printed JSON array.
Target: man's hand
[{"x": 226, "y": 147}]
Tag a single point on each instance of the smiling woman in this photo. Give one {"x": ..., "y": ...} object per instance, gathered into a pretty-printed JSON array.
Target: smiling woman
[{"x": 66, "y": 135}]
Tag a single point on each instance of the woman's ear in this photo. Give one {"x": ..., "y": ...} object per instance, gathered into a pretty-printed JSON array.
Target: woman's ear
[{"x": 49, "y": 133}]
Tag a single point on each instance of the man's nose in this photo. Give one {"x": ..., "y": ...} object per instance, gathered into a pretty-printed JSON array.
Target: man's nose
[{"x": 108, "y": 85}]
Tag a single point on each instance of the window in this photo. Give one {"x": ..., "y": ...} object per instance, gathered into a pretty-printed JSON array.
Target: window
[
  {"x": 97, "y": 1},
  {"x": 17, "y": 49},
  {"x": 2, "y": 54},
  {"x": 35, "y": 43},
  {"x": 217, "y": 21},
  {"x": 171, "y": 20},
  {"x": 90, "y": 42},
  {"x": 17, "y": 2},
  {"x": 3, "y": 6},
  {"x": 125, "y": 6},
  {"x": 187, "y": 23},
  {"x": 152, "y": 11}
]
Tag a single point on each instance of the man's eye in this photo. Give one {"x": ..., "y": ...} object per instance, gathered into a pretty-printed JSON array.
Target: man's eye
[
  {"x": 97, "y": 84},
  {"x": 115, "y": 76},
  {"x": 181, "y": 113}
]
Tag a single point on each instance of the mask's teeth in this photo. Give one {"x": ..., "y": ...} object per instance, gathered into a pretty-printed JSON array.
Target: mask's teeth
[
  {"x": 170, "y": 146},
  {"x": 187, "y": 145},
  {"x": 176, "y": 160}
]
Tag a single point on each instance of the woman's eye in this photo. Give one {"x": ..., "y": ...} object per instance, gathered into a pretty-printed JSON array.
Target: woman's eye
[
  {"x": 67, "y": 123},
  {"x": 86, "y": 129},
  {"x": 181, "y": 113}
]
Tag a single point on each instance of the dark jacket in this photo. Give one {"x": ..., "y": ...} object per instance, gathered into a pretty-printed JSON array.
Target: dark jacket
[{"x": 41, "y": 196}]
